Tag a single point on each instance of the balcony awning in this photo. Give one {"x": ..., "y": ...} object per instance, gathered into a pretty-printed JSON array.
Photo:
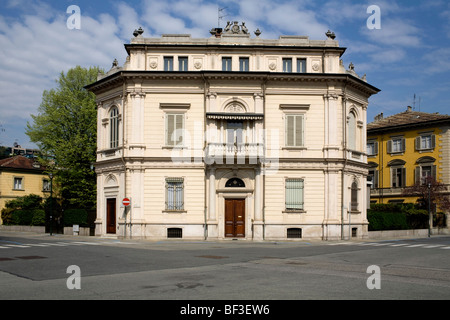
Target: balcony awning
[{"x": 235, "y": 116}]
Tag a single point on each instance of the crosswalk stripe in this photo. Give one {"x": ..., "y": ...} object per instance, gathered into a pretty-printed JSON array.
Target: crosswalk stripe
[
  {"x": 434, "y": 246},
  {"x": 399, "y": 245},
  {"x": 445, "y": 248},
  {"x": 37, "y": 245},
  {"x": 88, "y": 243},
  {"x": 15, "y": 246},
  {"x": 416, "y": 245},
  {"x": 4, "y": 248},
  {"x": 53, "y": 244}
]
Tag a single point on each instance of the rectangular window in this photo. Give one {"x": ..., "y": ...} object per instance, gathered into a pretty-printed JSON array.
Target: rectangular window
[
  {"x": 397, "y": 145},
  {"x": 294, "y": 130},
  {"x": 372, "y": 148},
  {"x": 18, "y": 185},
  {"x": 226, "y": 64},
  {"x": 426, "y": 142},
  {"x": 294, "y": 194},
  {"x": 287, "y": 65},
  {"x": 46, "y": 185},
  {"x": 301, "y": 65},
  {"x": 168, "y": 63},
  {"x": 398, "y": 179},
  {"x": 183, "y": 63},
  {"x": 244, "y": 64},
  {"x": 175, "y": 194},
  {"x": 174, "y": 130}
]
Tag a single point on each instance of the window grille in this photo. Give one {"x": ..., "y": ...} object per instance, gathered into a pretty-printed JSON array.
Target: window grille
[
  {"x": 294, "y": 233},
  {"x": 174, "y": 233},
  {"x": 175, "y": 194}
]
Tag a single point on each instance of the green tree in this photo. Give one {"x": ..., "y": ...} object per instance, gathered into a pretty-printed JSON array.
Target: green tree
[{"x": 65, "y": 130}]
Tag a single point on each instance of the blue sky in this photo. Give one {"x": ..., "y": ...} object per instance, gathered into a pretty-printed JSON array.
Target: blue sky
[{"x": 409, "y": 55}]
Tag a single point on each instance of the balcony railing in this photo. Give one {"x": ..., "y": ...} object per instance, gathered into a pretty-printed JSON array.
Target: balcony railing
[{"x": 235, "y": 150}]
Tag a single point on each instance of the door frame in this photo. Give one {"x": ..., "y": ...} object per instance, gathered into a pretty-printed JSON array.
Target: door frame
[
  {"x": 244, "y": 227},
  {"x": 114, "y": 201}
]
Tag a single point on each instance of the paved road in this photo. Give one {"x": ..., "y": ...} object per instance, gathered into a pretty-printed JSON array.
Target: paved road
[{"x": 36, "y": 267}]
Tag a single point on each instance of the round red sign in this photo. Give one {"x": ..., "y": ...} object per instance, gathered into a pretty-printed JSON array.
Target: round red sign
[{"x": 126, "y": 202}]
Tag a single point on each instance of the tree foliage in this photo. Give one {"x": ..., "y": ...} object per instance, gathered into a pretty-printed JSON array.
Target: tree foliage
[
  {"x": 432, "y": 190},
  {"x": 65, "y": 130}
]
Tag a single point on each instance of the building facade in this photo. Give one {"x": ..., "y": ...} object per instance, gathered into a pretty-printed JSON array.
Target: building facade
[
  {"x": 405, "y": 149},
  {"x": 21, "y": 176},
  {"x": 232, "y": 137}
]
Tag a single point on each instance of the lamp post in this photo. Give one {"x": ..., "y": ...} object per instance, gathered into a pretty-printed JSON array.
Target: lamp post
[
  {"x": 430, "y": 219},
  {"x": 51, "y": 202}
]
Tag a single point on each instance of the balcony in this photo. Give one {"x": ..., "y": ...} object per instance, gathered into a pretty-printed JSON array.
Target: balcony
[{"x": 240, "y": 153}]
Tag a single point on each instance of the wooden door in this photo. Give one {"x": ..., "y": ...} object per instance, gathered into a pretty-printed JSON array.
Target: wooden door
[
  {"x": 234, "y": 218},
  {"x": 111, "y": 216}
]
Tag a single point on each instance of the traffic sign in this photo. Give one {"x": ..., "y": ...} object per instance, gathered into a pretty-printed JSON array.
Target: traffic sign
[{"x": 126, "y": 202}]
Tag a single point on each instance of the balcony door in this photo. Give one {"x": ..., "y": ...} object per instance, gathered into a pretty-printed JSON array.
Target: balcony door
[{"x": 235, "y": 132}]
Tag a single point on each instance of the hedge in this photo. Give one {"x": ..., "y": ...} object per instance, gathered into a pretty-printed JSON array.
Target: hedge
[
  {"x": 75, "y": 216},
  {"x": 396, "y": 217},
  {"x": 27, "y": 217}
]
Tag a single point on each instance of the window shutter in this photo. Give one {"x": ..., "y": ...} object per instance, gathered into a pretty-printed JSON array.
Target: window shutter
[
  {"x": 170, "y": 128},
  {"x": 389, "y": 146},
  {"x": 375, "y": 147},
  {"x": 298, "y": 131},
  {"x": 434, "y": 172},
  {"x": 403, "y": 145},
  {"x": 403, "y": 182},
  {"x": 290, "y": 126},
  {"x": 393, "y": 178},
  {"x": 433, "y": 141},
  {"x": 418, "y": 141},
  {"x": 375, "y": 179},
  {"x": 179, "y": 124},
  {"x": 417, "y": 175}
]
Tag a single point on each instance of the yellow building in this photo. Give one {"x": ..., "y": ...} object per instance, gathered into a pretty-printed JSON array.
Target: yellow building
[
  {"x": 20, "y": 176},
  {"x": 405, "y": 149}
]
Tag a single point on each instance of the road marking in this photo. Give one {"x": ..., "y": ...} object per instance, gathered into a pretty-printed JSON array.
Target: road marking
[
  {"x": 88, "y": 243},
  {"x": 400, "y": 245},
  {"x": 36, "y": 245},
  {"x": 15, "y": 246},
  {"x": 382, "y": 244},
  {"x": 416, "y": 245},
  {"x": 53, "y": 244},
  {"x": 445, "y": 248},
  {"x": 434, "y": 246},
  {"x": 4, "y": 248}
]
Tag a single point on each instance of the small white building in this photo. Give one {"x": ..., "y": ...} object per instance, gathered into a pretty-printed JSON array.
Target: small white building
[{"x": 232, "y": 137}]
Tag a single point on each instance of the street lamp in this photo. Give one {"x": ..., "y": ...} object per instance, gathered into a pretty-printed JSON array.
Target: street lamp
[
  {"x": 51, "y": 202},
  {"x": 430, "y": 219}
]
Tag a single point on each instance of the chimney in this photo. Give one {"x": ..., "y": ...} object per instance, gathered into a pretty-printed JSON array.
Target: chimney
[{"x": 409, "y": 109}]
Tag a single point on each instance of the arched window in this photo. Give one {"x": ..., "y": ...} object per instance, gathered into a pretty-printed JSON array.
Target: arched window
[
  {"x": 235, "y": 183},
  {"x": 354, "y": 196},
  {"x": 114, "y": 128},
  {"x": 352, "y": 131}
]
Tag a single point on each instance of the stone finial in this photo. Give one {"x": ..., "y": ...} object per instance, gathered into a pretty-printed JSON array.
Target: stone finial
[
  {"x": 330, "y": 35},
  {"x": 138, "y": 32},
  {"x": 115, "y": 63},
  {"x": 257, "y": 32}
]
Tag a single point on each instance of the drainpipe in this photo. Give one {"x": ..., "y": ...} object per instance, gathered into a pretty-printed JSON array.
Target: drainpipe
[
  {"x": 344, "y": 132},
  {"x": 124, "y": 98},
  {"x": 205, "y": 146},
  {"x": 263, "y": 171}
]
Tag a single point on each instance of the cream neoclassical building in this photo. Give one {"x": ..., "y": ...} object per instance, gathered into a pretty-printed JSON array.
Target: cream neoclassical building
[{"x": 232, "y": 137}]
